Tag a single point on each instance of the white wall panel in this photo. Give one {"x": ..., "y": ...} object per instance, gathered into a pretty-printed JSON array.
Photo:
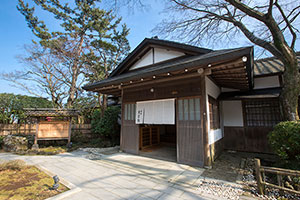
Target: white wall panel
[
  {"x": 214, "y": 136},
  {"x": 266, "y": 82},
  {"x": 232, "y": 113},
  {"x": 147, "y": 59},
  {"x": 164, "y": 54},
  {"x": 214, "y": 91}
]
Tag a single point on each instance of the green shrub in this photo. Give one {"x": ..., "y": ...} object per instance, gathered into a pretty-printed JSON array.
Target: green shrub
[
  {"x": 106, "y": 125},
  {"x": 285, "y": 141}
]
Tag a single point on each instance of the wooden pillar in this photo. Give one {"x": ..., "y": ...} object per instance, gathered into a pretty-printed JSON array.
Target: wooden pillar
[
  {"x": 206, "y": 156},
  {"x": 70, "y": 131},
  {"x": 122, "y": 120}
]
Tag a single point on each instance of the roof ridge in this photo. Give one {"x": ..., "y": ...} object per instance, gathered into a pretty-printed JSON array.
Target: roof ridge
[{"x": 180, "y": 43}]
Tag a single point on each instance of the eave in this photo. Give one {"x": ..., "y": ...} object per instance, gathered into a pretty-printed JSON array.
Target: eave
[{"x": 225, "y": 62}]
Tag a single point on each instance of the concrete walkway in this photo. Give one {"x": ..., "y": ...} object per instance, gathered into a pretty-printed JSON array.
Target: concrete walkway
[{"x": 121, "y": 176}]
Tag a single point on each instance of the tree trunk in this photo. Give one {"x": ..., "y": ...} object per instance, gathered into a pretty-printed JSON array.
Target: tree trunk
[
  {"x": 102, "y": 102},
  {"x": 290, "y": 91}
]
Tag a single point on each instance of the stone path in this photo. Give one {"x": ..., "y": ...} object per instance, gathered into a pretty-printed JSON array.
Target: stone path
[{"x": 121, "y": 176}]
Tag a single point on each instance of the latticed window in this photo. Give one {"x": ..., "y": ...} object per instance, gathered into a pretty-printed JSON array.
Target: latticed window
[
  {"x": 214, "y": 117},
  {"x": 129, "y": 111},
  {"x": 189, "y": 109},
  {"x": 262, "y": 112}
]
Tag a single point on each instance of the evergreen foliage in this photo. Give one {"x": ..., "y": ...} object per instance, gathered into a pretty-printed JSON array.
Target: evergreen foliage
[
  {"x": 11, "y": 107},
  {"x": 285, "y": 141}
]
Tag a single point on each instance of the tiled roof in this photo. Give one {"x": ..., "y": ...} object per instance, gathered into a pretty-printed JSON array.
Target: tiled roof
[
  {"x": 270, "y": 65},
  {"x": 50, "y": 112}
]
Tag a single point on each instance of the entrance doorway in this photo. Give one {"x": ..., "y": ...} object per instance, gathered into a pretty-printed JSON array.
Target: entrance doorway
[{"x": 158, "y": 141}]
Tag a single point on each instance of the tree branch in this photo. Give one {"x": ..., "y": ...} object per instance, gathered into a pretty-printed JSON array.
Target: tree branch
[{"x": 288, "y": 24}]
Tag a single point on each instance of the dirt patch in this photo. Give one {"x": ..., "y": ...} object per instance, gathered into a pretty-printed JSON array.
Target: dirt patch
[{"x": 27, "y": 182}]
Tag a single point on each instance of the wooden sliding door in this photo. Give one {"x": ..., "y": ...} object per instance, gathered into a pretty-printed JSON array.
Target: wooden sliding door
[{"x": 189, "y": 132}]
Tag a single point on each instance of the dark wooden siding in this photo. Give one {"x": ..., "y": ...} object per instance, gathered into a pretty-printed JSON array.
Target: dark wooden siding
[
  {"x": 249, "y": 139},
  {"x": 182, "y": 88},
  {"x": 216, "y": 149}
]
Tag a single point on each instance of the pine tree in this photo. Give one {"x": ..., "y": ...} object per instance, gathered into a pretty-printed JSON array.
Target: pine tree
[{"x": 90, "y": 44}]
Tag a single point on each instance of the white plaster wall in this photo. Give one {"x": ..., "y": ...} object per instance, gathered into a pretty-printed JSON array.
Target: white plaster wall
[
  {"x": 266, "y": 82},
  {"x": 147, "y": 59},
  {"x": 232, "y": 113},
  {"x": 214, "y": 135},
  {"x": 164, "y": 54},
  {"x": 211, "y": 88},
  {"x": 160, "y": 55},
  {"x": 214, "y": 91}
]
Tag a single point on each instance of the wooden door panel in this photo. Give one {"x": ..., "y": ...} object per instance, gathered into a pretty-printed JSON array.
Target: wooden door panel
[
  {"x": 130, "y": 137},
  {"x": 189, "y": 135}
]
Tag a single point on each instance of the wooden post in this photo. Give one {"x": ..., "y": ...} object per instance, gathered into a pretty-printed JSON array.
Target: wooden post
[
  {"x": 70, "y": 132},
  {"x": 260, "y": 185},
  {"x": 36, "y": 131}
]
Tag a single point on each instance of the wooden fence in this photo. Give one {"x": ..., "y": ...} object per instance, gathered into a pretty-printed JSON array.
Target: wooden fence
[
  {"x": 279, "y": 172},
  {"x": 30, "y": 129}
]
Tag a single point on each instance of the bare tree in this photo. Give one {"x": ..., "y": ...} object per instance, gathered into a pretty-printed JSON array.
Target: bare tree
[
  {"x": 271, "y": 25},
  {"x": 44, "y": 74}
]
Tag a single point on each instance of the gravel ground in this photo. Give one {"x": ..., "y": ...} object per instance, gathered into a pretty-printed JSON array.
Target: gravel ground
[{"x": 221, "y": 189}]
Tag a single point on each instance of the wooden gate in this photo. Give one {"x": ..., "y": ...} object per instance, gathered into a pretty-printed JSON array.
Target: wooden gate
[{"x": 189, "y": 132}]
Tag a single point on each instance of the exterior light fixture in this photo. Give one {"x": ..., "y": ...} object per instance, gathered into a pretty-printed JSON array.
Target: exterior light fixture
[
  {"x": 200, "y": 71},
  {"x": 152, "y": 90},
  {"x": 121, "y": 83},
  {"x": 168, "y": 74},
  {"x": 142, "y": 79},
  {"x": 154, "y": 76},
  {"x": 244, "y": 58},
  {"x": 130, "y": 81},
  {"x": 209, "y": 65},
  {"x": 186, "y": 70}
]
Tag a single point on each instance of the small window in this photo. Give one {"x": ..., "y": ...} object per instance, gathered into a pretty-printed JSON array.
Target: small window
[
  {"x": 262, "y": 112},
  {"x": 180, "y": 109},
  {"x": 197, "y": 108},
  {"x": 186, "y": 109},
  {"x": 129, "y": 111},
  {"x": 189, "y": 109},
  {"x": 214, "y": 117}
]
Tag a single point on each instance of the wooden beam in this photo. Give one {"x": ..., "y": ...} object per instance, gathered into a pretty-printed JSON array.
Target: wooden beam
[
  {"x": 230, "y": 71},
  {"x": 234, "y": 63},
  {"x": 227, "y": 67},
  {"x": 235, "y": 86},
  {"x": 232, "y": 79},
  {"x": 229, "y": 75}
]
